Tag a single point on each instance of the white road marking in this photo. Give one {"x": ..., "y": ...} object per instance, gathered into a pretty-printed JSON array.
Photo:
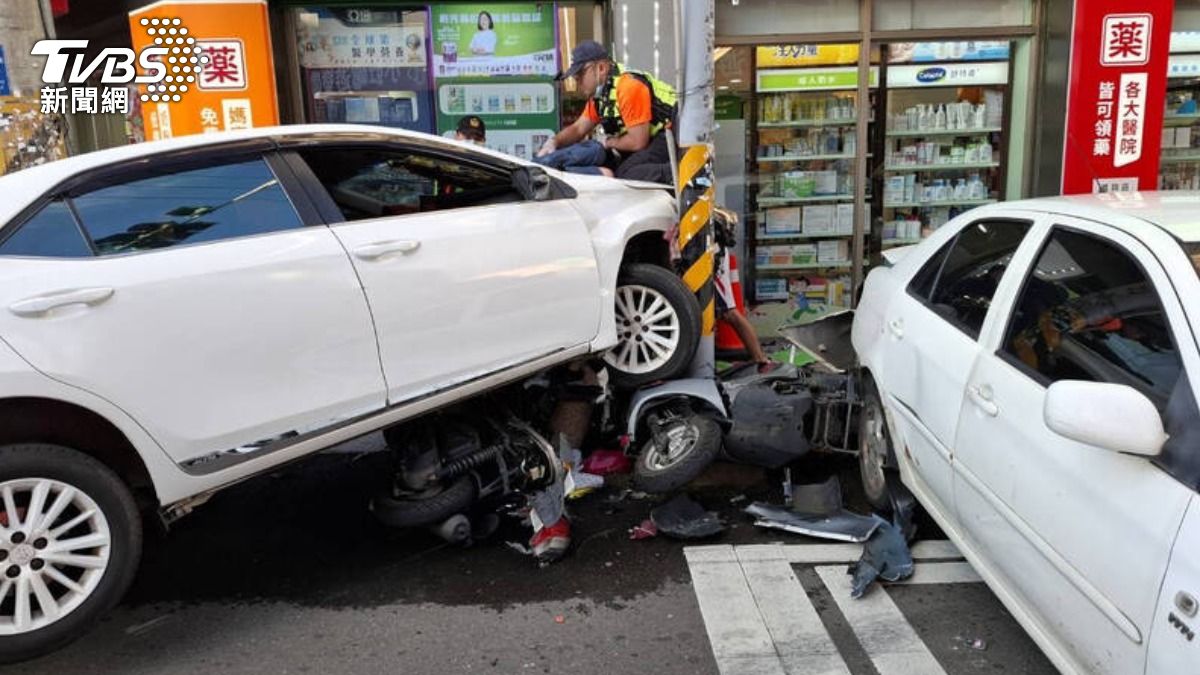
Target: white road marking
[
  {"x": 760, "y": 620},
  {"x": 801, "y": 641},
  {"x": 884, "y": 633},
  {"x": 739, "y": 637}
]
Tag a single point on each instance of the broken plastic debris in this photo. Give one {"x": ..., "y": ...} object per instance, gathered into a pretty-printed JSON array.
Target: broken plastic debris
[
  {"x": 840, "y": 526},
  {"x": 607, "y": 462},
  {"x": 519, "y": 547},
  {"x": 738, "y": 499},
  {"x": 817, "y": 497},
  {"x": 885, "y": 556},
  {"x": 645, "y": 530},
  {"x": 560, "y": 619},
  {"x": 979, "y": 644},
  {"x": 685, "y": 519}
]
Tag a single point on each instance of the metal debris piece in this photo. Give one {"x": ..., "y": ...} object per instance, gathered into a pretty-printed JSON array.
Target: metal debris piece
[{"x": 685, "y": 519}]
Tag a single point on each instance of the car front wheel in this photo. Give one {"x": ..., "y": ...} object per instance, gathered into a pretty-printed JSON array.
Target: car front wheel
[
  {"x": 658, "y": 326},
  {"x": 70, "y": 542},
  {"x": 875, "y": 454}
]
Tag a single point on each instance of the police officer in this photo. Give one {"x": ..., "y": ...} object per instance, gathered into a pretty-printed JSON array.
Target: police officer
[{"x": 635, "y": 109}]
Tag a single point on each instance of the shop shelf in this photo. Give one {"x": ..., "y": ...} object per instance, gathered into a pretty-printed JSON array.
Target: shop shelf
[
  {"x": 805, "y": 266},
  {"x": 921, "y": 205},
  {"x": 785, "y": 201},
  {"x": 804, "y": 158},
  {"x": 1181, "y": 120},
  {"x": 799, "y": 124},
  {"x": 777, "y": 237},
  {"x": 947, "y": 166},
  {"x": 900, "y": 242},
  {"x": 1181, "y": 158},
  {"x": 943, "y": 132}
]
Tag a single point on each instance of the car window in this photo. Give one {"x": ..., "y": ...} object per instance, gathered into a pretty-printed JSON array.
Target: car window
[
  {"x": 959, "y": 281},
  {"x": 1087, "y": 311},
  {"x": 186, "y": 207},
  {"x": 371, "y": 183},
  {"x": 51, "y": 233}
]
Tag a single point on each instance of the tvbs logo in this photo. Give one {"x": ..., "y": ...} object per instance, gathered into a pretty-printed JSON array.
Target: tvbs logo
[{"x": 168, "y": 69}]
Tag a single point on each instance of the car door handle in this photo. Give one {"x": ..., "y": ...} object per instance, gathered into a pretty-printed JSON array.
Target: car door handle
[
  {"x": 896, "y": 326},
  {"x": 42, "y": 304},
  {"x": 982, "y": 398},
  {"x": 385, "y": 248}
]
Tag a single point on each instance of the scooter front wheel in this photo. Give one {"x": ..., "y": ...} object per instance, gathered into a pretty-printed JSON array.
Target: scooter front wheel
[{"x": 681, "y": 451}]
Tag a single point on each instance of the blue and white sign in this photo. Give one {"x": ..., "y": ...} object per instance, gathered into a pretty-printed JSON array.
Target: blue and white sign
[
  {"x": 948, "y": 75},
  {"x": 1183, "y": 65},
  {"x": 925, "y": 52},
  {"x": 5, "y": 90}
]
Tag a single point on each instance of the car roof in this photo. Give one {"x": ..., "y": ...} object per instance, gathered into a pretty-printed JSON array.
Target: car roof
[
  {"x": 1176, "y": 212},
  {"x": 26, "y": 186}
]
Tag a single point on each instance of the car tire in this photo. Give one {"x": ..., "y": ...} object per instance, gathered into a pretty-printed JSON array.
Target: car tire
[
  {"x": 419, "y": 510},
  {"x": 41, "y": 482},
  {"x": 660, "y": 471},
  {"x": 659, "y": 346},
  {"x": 876, "y": 456}
]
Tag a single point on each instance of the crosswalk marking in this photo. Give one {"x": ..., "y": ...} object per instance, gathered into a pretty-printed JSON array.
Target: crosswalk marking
[
  {"x": 760, "y": 620},
  {"x": 884, "y": 633}
]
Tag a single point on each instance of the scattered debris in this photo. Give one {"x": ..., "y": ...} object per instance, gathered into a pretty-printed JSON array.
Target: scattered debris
[
  {"x": 738, "y": 499},
  {"x": 607, "y": 462},
  {"x": 645, "y": 530},
  {"x": 979, "y": 644},
  {"x": 840, "y": 526},
  {"x": 685, "y": 519},
  {"x": 815, "y": 498},
  {"x": 885, "y": 556},
  {"x": 519, "y": 547},
  {"x": 560, "y": 619}
]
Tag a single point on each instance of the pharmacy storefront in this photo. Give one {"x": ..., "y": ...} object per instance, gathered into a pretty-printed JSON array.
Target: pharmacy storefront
[{"x": 828, "y": 169}]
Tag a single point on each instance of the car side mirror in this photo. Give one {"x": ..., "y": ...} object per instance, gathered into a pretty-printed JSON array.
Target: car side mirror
[
  {"x": 533, "y": 183},
  {"x": 1113, "y": 417}
]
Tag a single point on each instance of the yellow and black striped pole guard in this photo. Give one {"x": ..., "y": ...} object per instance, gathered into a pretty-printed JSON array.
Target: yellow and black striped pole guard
[{"x": 695, "y": 228}]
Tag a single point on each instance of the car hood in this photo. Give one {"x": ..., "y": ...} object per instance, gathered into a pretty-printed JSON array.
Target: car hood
[{"x": 587, "y": 183}]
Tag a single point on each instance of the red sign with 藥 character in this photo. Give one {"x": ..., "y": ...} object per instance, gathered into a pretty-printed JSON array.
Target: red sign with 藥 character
[{"x": 1116, "y": 95}]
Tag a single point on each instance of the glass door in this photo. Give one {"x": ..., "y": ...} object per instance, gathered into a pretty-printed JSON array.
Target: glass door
[
  {"x": 801, "y": 180},
  {"x": 946, "y": 108}
]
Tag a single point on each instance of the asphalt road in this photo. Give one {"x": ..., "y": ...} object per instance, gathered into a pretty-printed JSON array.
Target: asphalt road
[{"x": 289, "y": 573}]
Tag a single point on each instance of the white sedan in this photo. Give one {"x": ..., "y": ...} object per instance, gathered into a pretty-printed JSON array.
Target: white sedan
[
  {"x": 1032, "y": 372},
  {"x": 181, "y": 315}
]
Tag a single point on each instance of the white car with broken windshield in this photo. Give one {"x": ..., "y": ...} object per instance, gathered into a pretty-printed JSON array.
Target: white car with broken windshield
[
  {"x": 181, "y": 315},
  {"x": 1031, "y": 370}
]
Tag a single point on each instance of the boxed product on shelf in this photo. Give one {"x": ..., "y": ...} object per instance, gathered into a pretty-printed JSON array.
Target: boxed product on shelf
[
  {"x": 844, "y": 219},
  {"x": 771, "y": 289},
  {"x": 1183, "y": 137},
  {"x": 773, "y": 255},
  {"x": 833, "y": 250},
  {"x": 803, "y": 254},
  {"x": 825, "y": 182},
  {"x": 796, "y": 184},
  {"x": 783, "y": 221},
  {"x": 819, "y": 219},
  {"x": 1168, "y": 138}
]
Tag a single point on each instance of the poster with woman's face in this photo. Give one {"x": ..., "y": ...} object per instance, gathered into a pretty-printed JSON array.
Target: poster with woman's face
[{"x": 488, "y": 40}]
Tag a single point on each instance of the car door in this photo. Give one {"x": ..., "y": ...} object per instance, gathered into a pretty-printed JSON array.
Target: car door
[
  {"x": 1174, "y": 644},
  {"x": 931, "y": 341},
  {"x": 189, "y": 291},
  {"x": 1080, "y": 534},
  {"x": 465, "y": 278}
]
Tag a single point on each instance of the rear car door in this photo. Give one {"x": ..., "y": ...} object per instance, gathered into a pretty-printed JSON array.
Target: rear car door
[
  {"x": 191, "y": 292},
  {"x": 931, "y": 341},
  {"x": 465, "y": 278},
  {"x": 1081, "y": 534}
]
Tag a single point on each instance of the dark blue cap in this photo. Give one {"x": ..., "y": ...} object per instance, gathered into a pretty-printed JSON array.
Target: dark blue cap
[{"x": 584, "y": 53}]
